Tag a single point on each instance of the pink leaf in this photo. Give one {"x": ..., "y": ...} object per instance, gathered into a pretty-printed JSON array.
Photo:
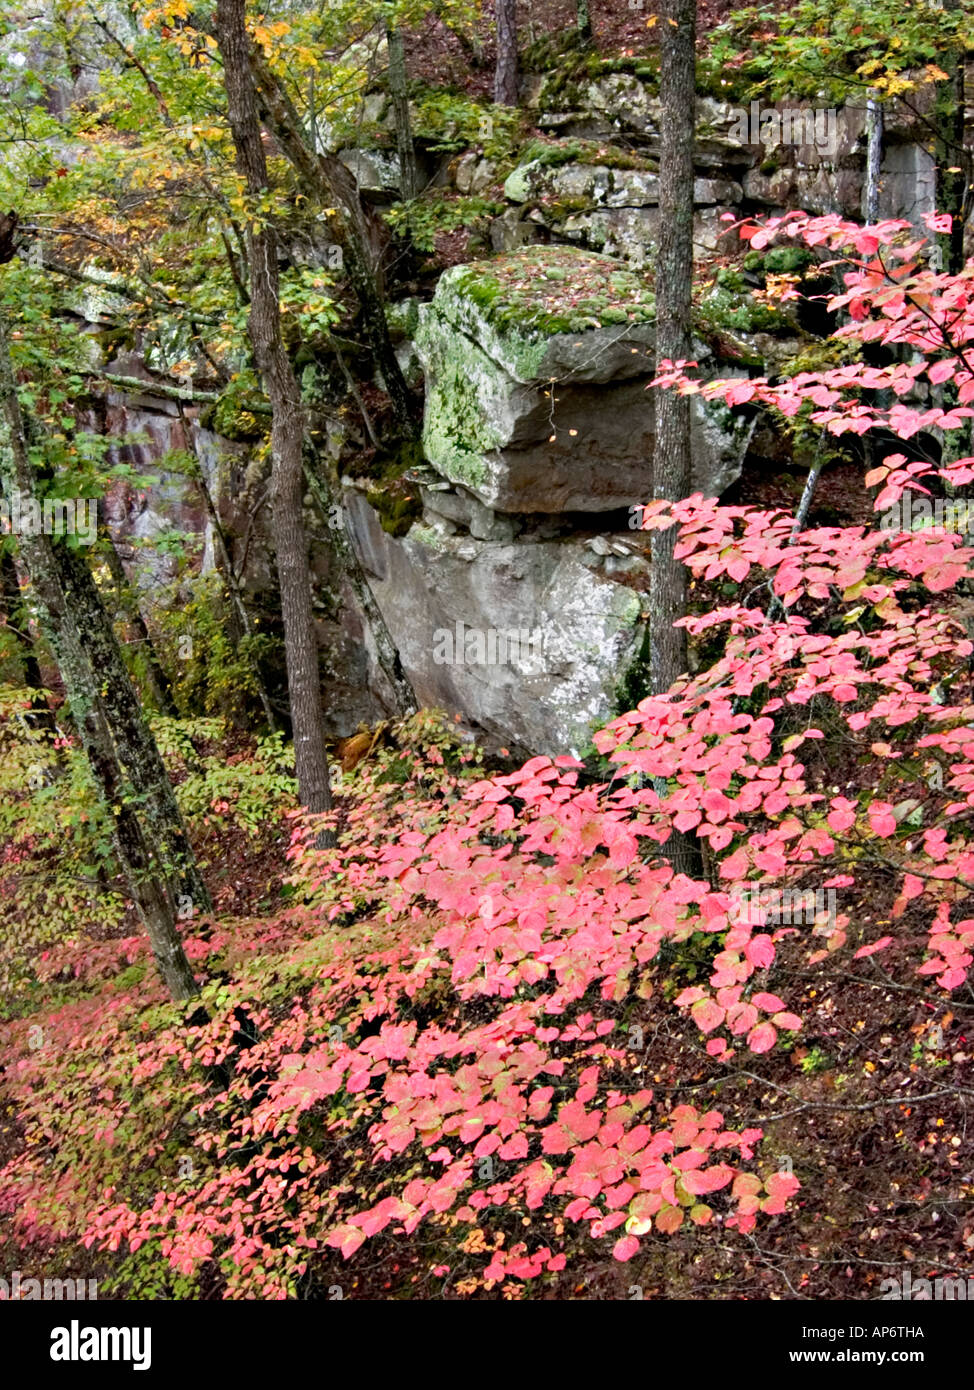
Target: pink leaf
[
  {"x": 879, "y": 945},
  {"x": 762, "y": 1038},
  {"x": 760, "y": 951}
]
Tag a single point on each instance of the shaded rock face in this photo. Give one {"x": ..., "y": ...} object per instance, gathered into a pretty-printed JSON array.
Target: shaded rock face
[
  {"x": 143, "y": 430},
  {"x": 375, "y": 172},
  {"x": 525, "y": 638}
]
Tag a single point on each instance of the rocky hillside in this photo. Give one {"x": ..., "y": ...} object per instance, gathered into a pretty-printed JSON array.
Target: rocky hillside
[{"x": 529, "y": 324}]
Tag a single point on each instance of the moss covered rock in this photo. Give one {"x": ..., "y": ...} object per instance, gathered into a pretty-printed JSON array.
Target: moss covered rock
[
  {"x": 536, "y": 365},
  {"x": 583, "y": 629},
  {"x": 525, "y": 311}
]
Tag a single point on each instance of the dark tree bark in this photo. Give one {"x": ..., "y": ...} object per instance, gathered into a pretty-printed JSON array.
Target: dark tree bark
[
  {"x": 398, "y": 90},
  {"x": 505, "y": 73},
  {"x": 136, "y": 748},
  {"x": 288, "y": 422},
  {"x": 674, "y": 272},
  {"x": 155, "y": 869}
]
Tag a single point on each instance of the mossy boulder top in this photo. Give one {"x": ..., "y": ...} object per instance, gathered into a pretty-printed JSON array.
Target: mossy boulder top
[{"x": 551, "y": 312}]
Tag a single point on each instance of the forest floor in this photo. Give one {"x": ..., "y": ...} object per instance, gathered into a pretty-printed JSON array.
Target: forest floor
[
  {"x": 864, "y": 1109},
  {"x": 434, "y": 55}
]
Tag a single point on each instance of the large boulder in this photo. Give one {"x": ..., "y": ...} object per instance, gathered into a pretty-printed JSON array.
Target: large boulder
[
  {"x": 452, "y": 601},
  {"x": 537, "y": 365}
]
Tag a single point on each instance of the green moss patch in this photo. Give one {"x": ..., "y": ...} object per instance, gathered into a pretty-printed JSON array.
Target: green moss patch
[
  {"x": 553, "y": 153},
  {"x": 546, "y": 290}
]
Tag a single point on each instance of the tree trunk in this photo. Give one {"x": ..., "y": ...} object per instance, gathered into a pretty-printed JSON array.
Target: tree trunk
[
  {"x": 674, "y": 279},
  {"x": 409, "y": 183},
  {"x": 136, "y": 748},
  {"x": 870, "y": 211},
  {"x": 155, "y": 677},
  {"x": 144, "y": 862},
  {"x": 287, "y": 427},
  {"x": 155, "y": 905},
  {"x": 874, "y": 157},
  {"x": 583, "y": 21},
  {"x": 671, "y": 453},
  {"x": 505, "y": 73}
]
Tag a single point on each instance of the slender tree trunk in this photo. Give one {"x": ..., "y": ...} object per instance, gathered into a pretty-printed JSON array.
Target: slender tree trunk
[
  {"x": 671, "y": 451},
  {"x": 288, "y": 423},
  {"x": 145, "y": 867},
  {"x": 138, "y": 754},
  {"x": 870, "y": 211},
  {"x": 674, "y": 272},
  {"x": 505, "y": 73},
  {"x": 409, "y": 182},
  {"x": 328, "y": 180},
  {"x": 155, "y": 677},
  {"x": 874, "y": 157},
  {"x": 137, "y": 750},
  {"x": 154, "y": 903}
]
